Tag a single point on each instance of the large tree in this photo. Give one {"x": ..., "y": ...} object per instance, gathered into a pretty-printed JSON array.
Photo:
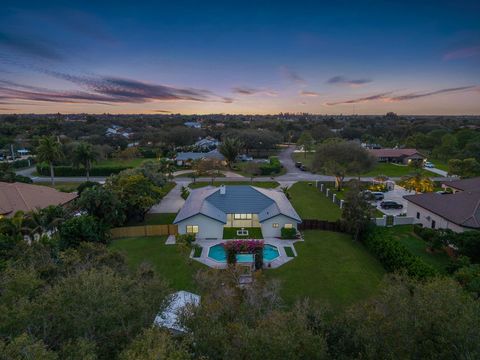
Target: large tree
[
  {"x": 357, "y": 211},
  {"x": 464, "y": 168},
  {"x": 230, "y": 148},
  {"x": 84, "y": 154},
  {"x": 49, "y": 150},
  {"x": 307, "y": 142},
  {"x": 342, "y": 158}
]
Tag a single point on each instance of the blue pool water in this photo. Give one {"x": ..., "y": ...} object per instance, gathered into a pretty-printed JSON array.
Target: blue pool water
[{"x": 217, "y": 253}]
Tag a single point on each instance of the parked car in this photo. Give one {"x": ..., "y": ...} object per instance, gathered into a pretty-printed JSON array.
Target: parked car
[
  {"x": 298, "y": 164},
  {"x": 374, "y": 195},
  {"x": 429, "y": 165},
  {"x": 390, "y": 205}
]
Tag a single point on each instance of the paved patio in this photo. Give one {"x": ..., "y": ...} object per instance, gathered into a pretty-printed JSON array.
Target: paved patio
[{"x": 278, "y": 243}]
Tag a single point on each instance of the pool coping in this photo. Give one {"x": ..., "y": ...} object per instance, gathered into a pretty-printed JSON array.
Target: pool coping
[{"x": 273, "y": 264}]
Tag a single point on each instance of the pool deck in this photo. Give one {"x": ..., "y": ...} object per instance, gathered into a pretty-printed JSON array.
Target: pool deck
[{"x": 275, "y": 263}]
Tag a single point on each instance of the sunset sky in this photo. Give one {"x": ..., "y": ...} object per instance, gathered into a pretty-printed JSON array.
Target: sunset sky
[{"x": 364, "y": 57}]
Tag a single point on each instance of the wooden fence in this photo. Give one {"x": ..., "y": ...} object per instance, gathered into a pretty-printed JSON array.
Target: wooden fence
[
  {"x": 315, "y": 224},
  {"x": 145, "y": 230}
]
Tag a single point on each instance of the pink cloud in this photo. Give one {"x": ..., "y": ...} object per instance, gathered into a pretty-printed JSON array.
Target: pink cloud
[{"x": 462, "y": 53}]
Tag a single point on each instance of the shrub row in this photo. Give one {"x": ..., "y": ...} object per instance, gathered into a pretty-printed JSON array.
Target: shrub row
[
  {"x": 272, "y": 167},
  {"x": 18, "y": 164},
  {"x": 394, "y": 256},
  {"x": 44, "y": 170}
]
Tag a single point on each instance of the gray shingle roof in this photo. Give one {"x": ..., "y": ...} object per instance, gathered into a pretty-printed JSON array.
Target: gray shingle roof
[
  {"x": 461, "y": 208},
  {"x": 214, "y": 154},
  {"x": 238, "y": 199}
]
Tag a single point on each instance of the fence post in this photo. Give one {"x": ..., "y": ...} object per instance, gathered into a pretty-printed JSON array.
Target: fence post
[
  {"x": 341, "y": 203},
  {"x": 321, "y": 187},
  {"x": 328, "y": 191},
  {"x": 333, "y": 197}
]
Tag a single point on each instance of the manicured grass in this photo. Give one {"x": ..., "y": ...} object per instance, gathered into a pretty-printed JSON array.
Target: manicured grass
[
  {"x": 197, "y": 251},
  {"x": 439, "y": 164},
  {"x": 393, "y": 170},
  {"x": 418, "y": 247},
  {"x": 262, "y": 184},
  {"x": 329, "y": 267},
  {"x": 231, "y": 233},
  {"x": 173, "y": 265},
  {"x": 191, "y": 174},
  {"x": 62, "y": 186},
  {"x": 168, "y": 187},
  {"x": 310, "y": 203},
  {"x": 289, "y": 251},
  {"x": 120, "y": 162},
  {"x": 159, "y": 219}
]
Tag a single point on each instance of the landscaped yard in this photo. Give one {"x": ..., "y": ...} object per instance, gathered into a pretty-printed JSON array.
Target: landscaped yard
[
  {"x": 176, "y": 267},
  {"x": 262, "y": 184},
  {"x": 159, "y": 219},
  {"x": 121, "y": 162},
  {"x": 231, "y": 233},
  {"x": 310, "y": 203},
  {"x": 417, "y": 246},
  {"x": 61, "y": 186},
  {"x": 329, "y": 267},
  {"x": 387, "y": 169}
]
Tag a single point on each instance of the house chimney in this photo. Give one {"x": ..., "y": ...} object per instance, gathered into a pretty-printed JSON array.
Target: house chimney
[{"x": 223, "y": 190}]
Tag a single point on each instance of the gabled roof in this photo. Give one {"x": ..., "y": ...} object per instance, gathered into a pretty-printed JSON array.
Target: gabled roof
[
  {"x": 394, "y": 152},
  {"x": 461, "y": 208},
  {"x": 27, "y": 197},
  {"x": 238, "y": 199},
  {"x": 472, "y": 184},
  {"x": 214, "y": 154}
]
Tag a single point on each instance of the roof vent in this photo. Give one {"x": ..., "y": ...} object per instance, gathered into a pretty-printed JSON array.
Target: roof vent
[{"x": 223, "y": 190}]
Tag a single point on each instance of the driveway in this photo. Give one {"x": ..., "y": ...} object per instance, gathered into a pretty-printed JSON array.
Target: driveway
[
  {"x": 438, "y": 171},
  {"x": 172, "y": 202},
  {"x": 395, "y": 195}
]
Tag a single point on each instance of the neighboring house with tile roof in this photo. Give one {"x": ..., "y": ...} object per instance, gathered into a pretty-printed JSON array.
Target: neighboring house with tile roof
[
  {"x": 400, "y": 156},
  {"x": 27, "y": 197},
  {"x": 459, "y": 211},
  {"x": 208, "y": 210},
  {"x": 186, "y": 158}
]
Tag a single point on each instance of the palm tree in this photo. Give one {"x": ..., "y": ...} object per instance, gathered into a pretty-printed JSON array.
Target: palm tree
[
  {"x": 230, "y": 148},
  {"x": 49, "y": 150},
  {"x": 84, "y": 154}
]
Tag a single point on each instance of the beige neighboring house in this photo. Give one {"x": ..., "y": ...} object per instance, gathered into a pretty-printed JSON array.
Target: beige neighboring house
[
  {"x": 399, "y": 156},
  {"x": 27, "y": 197},
  {"x": 458, "y": 211}
]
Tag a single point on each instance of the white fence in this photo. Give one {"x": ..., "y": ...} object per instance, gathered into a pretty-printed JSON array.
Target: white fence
[{"x": 397, "y": 220}]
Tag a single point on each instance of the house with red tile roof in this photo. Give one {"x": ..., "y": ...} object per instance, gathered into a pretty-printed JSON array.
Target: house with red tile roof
[{"x": 400, "y": 156}]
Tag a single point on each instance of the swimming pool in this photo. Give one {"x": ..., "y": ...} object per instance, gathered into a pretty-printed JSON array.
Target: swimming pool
[{"x": 217, "y": 253}]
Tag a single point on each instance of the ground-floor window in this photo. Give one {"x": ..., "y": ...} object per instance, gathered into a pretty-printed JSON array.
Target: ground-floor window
[
  {"x": 275, "y": 225},
  {"x": 418, "y": 215},
  {"x": 242, "y": 216},
  {"x": 192, "y": 229},
  {"x": 288, "y": 226},
  {"x": 433, "y": 224}
]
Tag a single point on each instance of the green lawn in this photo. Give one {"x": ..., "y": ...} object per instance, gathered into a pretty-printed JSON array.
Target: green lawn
[
  {"x": 289, "y": 251},
  {"x": 418, "y": 247},
  {"x": 231, "y": 233},
  {"x": 329, "y": 267},
  {"x": 262, "y": 184},
  {"x": 310, "y": 203},
  {"x": 159, "y": 219},
  {"x": 61, "y": 186},
  {"x": 393, "y": 170},
  {"x": 439, "y": 164},
  {"x": 120, "y": 162},
  {"x": 176, "y": 267},
  {"x": 307, "y": 161},
  {"x": 191, "y": 174}
]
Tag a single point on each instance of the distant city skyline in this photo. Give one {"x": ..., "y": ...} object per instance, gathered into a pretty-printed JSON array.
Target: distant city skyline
[{"x": 240, "y": 57}]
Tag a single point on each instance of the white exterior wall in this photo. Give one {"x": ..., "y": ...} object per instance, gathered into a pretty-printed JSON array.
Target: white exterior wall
[
  {"x": 207, "y": 227},
  {"x": 267, "y": 226},
  {"x": 440, "y": 222}
]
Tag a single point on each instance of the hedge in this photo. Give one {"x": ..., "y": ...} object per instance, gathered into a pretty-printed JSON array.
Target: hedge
[
  {"x": 394, "y": 256},
  {"x": 273, "y": 167},
  {"x": 18, "y": 164},
  {"x": 44, "y": 170}
]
